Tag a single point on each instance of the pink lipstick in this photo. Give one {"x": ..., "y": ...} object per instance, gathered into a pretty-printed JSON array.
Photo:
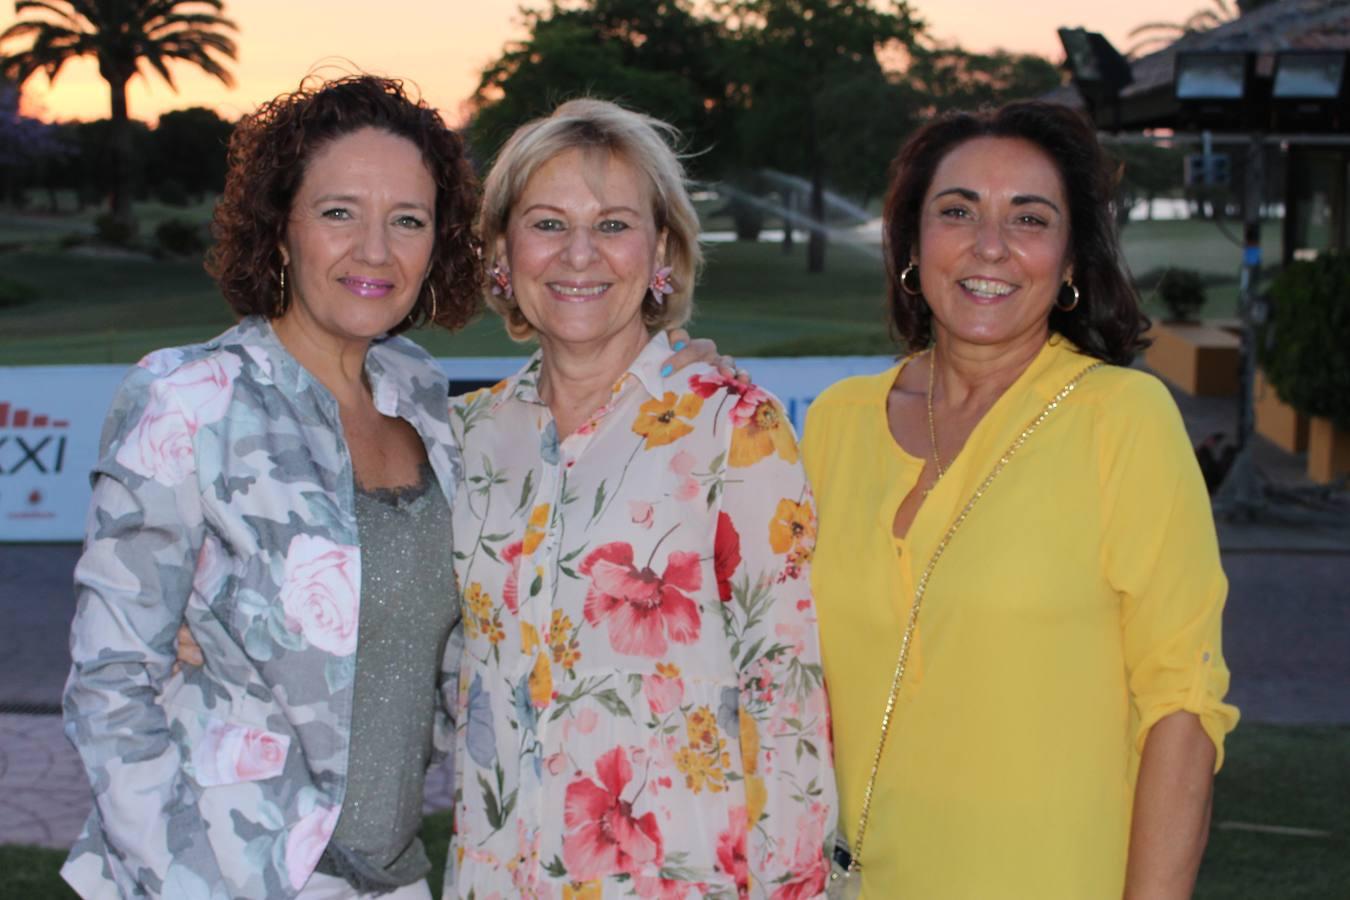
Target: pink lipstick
[{"x": 373, "y": 288}]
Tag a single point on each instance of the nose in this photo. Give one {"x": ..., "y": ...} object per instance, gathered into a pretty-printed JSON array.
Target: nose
[
  {"x": 373, "y": 246},
  {"x": 989, "y": 242},
  {"x": 580, "y": 248}
]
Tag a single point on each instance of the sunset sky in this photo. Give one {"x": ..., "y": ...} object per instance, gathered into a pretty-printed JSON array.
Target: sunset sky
[{"x": 442, "y": 46}]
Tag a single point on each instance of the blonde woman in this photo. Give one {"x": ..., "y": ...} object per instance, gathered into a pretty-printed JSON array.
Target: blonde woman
[{"x": 642, "y": 711}]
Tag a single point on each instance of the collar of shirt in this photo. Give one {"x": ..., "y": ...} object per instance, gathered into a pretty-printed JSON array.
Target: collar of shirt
[
  {"x": 645, "y": 370},
  {"x": 391, "y": 383},
  {"x": 1058, "y": 361}
]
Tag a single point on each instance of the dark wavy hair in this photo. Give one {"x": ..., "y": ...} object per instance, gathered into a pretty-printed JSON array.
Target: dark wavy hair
[
  {"x": 268, "y": 152},
  {"x": 1108, "y": 323}
]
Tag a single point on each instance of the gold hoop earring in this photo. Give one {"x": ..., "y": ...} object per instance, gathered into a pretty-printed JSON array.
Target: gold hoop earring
[
  {"x": 904, "y": 286},
  {"x": 432, "y": 288},
  {"x": 281, "y": 296},
  {"x": 1076, "y": 297}
]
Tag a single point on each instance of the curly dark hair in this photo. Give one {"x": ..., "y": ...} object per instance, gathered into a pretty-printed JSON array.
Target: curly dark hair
[
  {"x": 1108, "y": 323},
  {"x": 268, "y": 152}
]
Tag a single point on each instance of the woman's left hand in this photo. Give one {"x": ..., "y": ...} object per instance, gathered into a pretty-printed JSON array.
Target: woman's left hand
[{"x": 688, "y": 351}]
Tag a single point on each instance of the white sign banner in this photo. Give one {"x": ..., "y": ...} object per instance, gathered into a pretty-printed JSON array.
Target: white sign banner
[{"x": 51, "y": 418}]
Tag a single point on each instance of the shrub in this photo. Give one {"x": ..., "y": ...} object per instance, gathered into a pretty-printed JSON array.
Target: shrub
[
  {"x": 111, "y": 230},
  {"x": 171, "y": 192},
  {"x": 179, "y": 238},
  {"x": 1182, "y": 292},
  {"x": 15, "y": 293},
  {"x": 1305, "y": 343}
]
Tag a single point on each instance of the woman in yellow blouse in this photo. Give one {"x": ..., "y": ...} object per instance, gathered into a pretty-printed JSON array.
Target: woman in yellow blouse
[{"x": 1059, "y": 718}]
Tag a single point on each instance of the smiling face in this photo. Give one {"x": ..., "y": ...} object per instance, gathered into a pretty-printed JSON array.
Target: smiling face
[
  {"x": 993, "y": 243},
  {"x": 581, "y": 244},
  {"x": 359, "y": 237}
]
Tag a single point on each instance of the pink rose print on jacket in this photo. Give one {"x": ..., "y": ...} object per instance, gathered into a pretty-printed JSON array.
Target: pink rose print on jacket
[
  {"x": 160, "y": 446},
  {"x": 641, "y": 608},
  {"x": 204, "y": 387},
  {"x": 163, "y": 360},
  {"x": 228, "y": 754},
  {"x": 603, "y": 837},
  {"x": 306, "y": 842},
  {"x": 319, "y": 592}
]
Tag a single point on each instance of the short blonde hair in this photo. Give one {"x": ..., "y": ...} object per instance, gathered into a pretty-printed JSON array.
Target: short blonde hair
[{"x": 640, "y": 140}]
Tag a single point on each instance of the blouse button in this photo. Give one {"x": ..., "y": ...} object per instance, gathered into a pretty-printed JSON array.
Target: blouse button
[{"x": 1205, "y": 657}]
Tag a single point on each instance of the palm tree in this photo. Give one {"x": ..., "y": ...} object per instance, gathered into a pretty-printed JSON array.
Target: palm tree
[
  {"x": 1160, "y": 34},
  {"x": 120, "y": 34}
]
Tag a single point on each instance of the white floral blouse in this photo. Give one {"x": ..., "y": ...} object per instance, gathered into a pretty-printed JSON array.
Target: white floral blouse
[{"x": 642, "y": 710}]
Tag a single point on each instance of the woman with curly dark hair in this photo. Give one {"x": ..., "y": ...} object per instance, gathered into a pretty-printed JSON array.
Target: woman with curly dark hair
[
  {"x": 282, "y": 492},
  {"x": 1016, "y": 566}
]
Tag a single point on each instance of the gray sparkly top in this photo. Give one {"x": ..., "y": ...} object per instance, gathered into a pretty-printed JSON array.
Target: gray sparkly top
[{"x": 408, "y": 603}]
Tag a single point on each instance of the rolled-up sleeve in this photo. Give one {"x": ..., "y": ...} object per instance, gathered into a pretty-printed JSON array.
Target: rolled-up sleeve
[{"x": 1161, "y": 555}]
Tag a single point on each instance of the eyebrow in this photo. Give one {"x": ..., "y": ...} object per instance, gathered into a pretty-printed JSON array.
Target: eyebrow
[
  {"x": 608, "y": 210},
  {"x": 352, "y": 198},
  {"x": 1017, "y": 200}
]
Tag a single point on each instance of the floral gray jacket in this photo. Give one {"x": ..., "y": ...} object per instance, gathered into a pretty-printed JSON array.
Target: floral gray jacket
[{"x": 223, "y": 497}]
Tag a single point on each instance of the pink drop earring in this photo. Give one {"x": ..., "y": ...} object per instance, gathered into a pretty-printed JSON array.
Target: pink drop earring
[
  {"x": 501, "y": 281},
  {"x": 662, "y": 285}
]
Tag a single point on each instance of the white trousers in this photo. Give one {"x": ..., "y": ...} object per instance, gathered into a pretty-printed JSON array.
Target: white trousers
[{"x": 326, "y": 887}]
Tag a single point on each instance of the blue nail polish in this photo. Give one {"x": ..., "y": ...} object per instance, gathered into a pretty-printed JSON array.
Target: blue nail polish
[
  {"x": 666, "y": 370},
  {"x": 680, "y": 345}
]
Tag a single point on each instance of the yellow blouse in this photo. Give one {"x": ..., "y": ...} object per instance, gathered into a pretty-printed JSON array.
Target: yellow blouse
[{"x": 1077, "y": 605}]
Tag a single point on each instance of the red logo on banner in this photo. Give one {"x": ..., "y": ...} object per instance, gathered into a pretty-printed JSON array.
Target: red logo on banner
[
  {"x": 26, "y": 448},
  {"x": 23, "y": 418},
  {"x": 34, "y": 510}
]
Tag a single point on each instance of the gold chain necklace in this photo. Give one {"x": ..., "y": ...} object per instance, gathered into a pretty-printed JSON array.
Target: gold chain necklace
[
  {"x": 932, "y": 429},
  {"x": 854, "y": 863}
]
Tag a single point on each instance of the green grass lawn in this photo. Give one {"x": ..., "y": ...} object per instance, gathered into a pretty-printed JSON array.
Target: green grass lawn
[
  {"x": 35, "y": 224},
  {"x": 84, "y": 305},
  {"x": 1282, "y": 777}
]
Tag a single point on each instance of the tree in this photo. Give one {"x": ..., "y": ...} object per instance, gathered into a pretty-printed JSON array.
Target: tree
[
  {"x": 660, "y": 58},
  {"x": 952, "y": 78},
  {"x": 28, "y": 147},
  {"x": 121, "y": 35},
  {"x": 99, "y": 145},
  {"x": 1155, "y": 36},
  {"x": 798, "y": 58},
  {"x": 189, "y": 152}
]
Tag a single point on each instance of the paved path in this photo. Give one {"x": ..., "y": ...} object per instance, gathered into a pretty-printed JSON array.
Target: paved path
[{"x": 36, "y": 605}]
